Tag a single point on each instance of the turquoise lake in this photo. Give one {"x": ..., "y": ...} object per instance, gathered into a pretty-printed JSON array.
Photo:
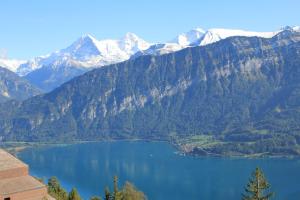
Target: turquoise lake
[{"x": 157, "y": 170}]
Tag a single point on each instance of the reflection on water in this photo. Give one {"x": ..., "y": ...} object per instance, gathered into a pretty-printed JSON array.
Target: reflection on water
[{"x": 154, "y": 168}]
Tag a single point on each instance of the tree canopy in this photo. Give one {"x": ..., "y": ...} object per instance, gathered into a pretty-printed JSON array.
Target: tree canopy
[{"x": 258, "y": 187}]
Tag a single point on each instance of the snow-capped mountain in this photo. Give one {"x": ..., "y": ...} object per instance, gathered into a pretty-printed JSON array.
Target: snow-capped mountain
[
  {"x": 11, "y": 64},
  {"x": 215, "y": 35},
  {"x": 199, "y": 37},
  {"x": 296, "y": 28},
  {"x": 48, "y": 72},
  {"x": 179, "y": 42},
  {"x": 159, "y": 49},
  {"x": 88, "y": 52},
  {"x": 185, "y": 39}
]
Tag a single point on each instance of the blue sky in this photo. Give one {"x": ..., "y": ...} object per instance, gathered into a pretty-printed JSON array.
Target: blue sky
[{"x": 36, "y": 27}]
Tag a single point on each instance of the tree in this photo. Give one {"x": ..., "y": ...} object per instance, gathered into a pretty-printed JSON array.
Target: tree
[
  {"x": 258, "y": 187},
  {"x": 107, "y": 194},
  {"x": 117, "y": 194},
  {"x": 55, "y": 190},
  {"x": 130, "y": 192},
  {"x": 73, "y": 195}
]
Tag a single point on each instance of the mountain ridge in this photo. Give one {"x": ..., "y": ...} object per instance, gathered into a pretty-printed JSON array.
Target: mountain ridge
[
  {"x": 13, "y": 87},
  {"x": 86, "y": 53},
  {"x": 186, "y": 39},
  {"x": 225, "y": 90}
]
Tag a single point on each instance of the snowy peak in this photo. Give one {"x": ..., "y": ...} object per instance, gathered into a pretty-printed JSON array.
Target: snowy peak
[
  {"x": 296, "y": 28},
  {"x": 199, "y": 37},
  {"x": 179, "y": 42},
  {"x": 86, "y": 38},
  {"x": 189, "y": 37},
  {"x": 83, "y": 48},
  {"x": 214, "y": 35},
  {"x": 88, "y": 52},
  {"x": 290, "y": 28},
  {"x": 87, "y": 47},
  {"x": 159, "y": 49},
  {"x": 131, "y": 43},
  {"x": 131, "y": 37},
  {"x": 11, "y": 64}
]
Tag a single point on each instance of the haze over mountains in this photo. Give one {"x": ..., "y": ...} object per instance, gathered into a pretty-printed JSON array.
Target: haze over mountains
[
  {"x": 50, "y": 71},
  {"x": 241, "y": 91}
]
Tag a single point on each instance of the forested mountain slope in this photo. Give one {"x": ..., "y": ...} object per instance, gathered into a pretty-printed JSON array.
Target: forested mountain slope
[
  {"x": 14, "y": 87},
  {"x": 238, "y": 89}
]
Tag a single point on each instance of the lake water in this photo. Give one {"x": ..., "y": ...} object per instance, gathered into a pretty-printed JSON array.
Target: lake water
[{"x": 156, "y": 169}]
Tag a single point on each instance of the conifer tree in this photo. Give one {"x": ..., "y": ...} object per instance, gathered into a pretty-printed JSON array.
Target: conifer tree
[
  {"x": 258, "y": 187},
  {"x": 73, "y": 195},
  {"x": 127, "y": 192},
  {"x": 115, "y": 184},
  {"x": 55, "y": 189},
  {"x": 130, "y": 192},
  {"x": 107, "y": 194},
  {"x": 117, "y": 194}
]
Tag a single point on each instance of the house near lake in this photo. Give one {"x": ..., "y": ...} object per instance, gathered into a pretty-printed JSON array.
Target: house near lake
[{"x": 16, "y": 183}]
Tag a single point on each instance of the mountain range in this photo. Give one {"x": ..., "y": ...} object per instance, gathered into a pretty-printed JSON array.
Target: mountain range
[
  {"x": 50, "y": 71},
  {"x": 14, "y": 87},
  {"x": 238, "y": 94}
]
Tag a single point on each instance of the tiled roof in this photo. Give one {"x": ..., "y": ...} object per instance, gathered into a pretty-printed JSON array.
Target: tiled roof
[
  {"x": 19, "y": 184},
  {"x": 14, "y": 180},
  {"x": 8, "y": 161}
]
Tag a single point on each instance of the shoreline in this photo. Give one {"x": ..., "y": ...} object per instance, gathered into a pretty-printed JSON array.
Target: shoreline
[{"x": 16, "y": 147}]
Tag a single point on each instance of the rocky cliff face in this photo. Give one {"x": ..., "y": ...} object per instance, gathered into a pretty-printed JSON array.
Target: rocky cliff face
[
  {"x": 238, "y": 85},
  {"x": 14, "y": 87}
]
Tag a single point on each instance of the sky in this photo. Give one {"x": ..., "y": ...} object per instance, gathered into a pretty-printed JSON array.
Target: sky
[{"x": 30, "y": 28}]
